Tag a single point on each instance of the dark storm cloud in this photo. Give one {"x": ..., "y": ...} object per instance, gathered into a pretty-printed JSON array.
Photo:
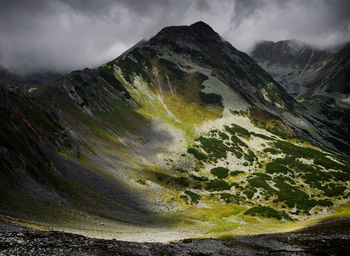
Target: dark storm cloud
[
  {"x": 318, "y": 22},
  {"x": 62, "y": 35}
]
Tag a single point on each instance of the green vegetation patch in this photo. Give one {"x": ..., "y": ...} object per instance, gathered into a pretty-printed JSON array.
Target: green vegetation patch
[
  {"x": 293, "y": 196},
  {"x": 341, "y": 176},
  {"x": 220, "y": 172},
  {"x": 260, "y": 182},
  {"x": 223, "y": 135},
  {"x": 319, "y": 157},
  {"x": 271, "y": 151},
  {"x": 198, "y": 178},
  {"x": 272, "y": 123},
  {"x": 235, "y": 129},
  {"x": 262, "y": 136},
  {"x": 194, "y": 196},
  {"x": 236, "y": 172},
  {"x": 288, "y": 192},
  {"x": 325, "y": 203},
  {"x": 250, "y": 157},
  {"x": 268, "y": 212},
  {"x": 198, "y": 155},
  {"x": 228, "y": 198},
  {"x": 297, "y": 151},
  {"x": 182, "y": 181},
  {"x": 334, "y": 190},
  {"x": 211, "y": 98},
  {"x": 275, "y": 167},
  {"x": 249, "y": 191},
  {"x": 238, "y": 142},
  {"x": 217, "y": 185},
  {"x": 215, "y": 148},
  {"x": 142, "y": 182}
]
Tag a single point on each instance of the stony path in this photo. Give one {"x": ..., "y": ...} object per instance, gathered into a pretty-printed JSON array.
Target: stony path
[{"x": 328, "y": 238}]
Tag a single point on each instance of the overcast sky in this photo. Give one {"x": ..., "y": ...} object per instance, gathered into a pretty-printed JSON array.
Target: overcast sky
[{"x": 65, "y": 35}]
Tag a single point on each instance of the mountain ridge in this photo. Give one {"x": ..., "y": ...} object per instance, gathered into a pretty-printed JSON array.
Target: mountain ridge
[
  {"x": 317, "y": 78},
  {"x": 290, "y": 62},
  {"x": 296, "y": 65}
]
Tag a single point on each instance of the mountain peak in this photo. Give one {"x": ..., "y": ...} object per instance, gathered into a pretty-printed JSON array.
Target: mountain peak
[
  {"x": 197, "y": 46},
  {"x": 203, "y": 30},
  {"x": 197, "y": 32},
  {"x": 201, "y": 26},
  {"x": 286, "y": 52}
]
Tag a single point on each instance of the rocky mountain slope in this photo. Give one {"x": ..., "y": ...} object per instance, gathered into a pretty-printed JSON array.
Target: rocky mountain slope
[
  {"x": 181, "y": 136},
  {"x": 292, "y": 63},
  {"x": 333, "y": 80},
  {"x": 326, "y": 238},
  {"x": 26, "y": 82},
  {"x": 305, "y": 70},
  {"x": 317, "y": 78}
]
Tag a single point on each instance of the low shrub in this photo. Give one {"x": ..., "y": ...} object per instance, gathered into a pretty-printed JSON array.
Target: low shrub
[
  {"x": 217, "y": 185},
  {"x": 220, "y": 172},
  {"x": 266, "y": 211}
]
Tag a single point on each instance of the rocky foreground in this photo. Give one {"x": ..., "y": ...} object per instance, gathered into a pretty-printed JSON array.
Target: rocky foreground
[{"x": 327, "y": 238}]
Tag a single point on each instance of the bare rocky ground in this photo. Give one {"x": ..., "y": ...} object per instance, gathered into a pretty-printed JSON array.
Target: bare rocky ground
[{"x": 327, "y": 238}]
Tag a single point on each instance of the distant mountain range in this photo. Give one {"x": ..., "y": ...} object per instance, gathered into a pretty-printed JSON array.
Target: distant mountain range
[
  {"x": 306, "y": 71},
  {"x": 28, "y": 81}
]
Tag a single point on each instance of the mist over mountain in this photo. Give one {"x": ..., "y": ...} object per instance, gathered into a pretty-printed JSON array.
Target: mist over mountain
[
  {"x": 295, "y": 64},
  {"x": 61, "y": 36}
]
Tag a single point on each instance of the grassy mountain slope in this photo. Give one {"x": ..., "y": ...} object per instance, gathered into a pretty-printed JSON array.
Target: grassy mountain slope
[{"x": 182, "y": 135}]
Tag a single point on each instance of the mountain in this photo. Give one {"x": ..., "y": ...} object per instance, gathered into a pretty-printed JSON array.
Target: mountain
[
  {"x": 26, "y": 82},
  {"x": 181, "y": 136},
  {"x": 291, "y": 62},
  {"x": 333, "y": 80},
  {"x": 306, "y": 71},
  {"x": 317, "y": 78}
]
